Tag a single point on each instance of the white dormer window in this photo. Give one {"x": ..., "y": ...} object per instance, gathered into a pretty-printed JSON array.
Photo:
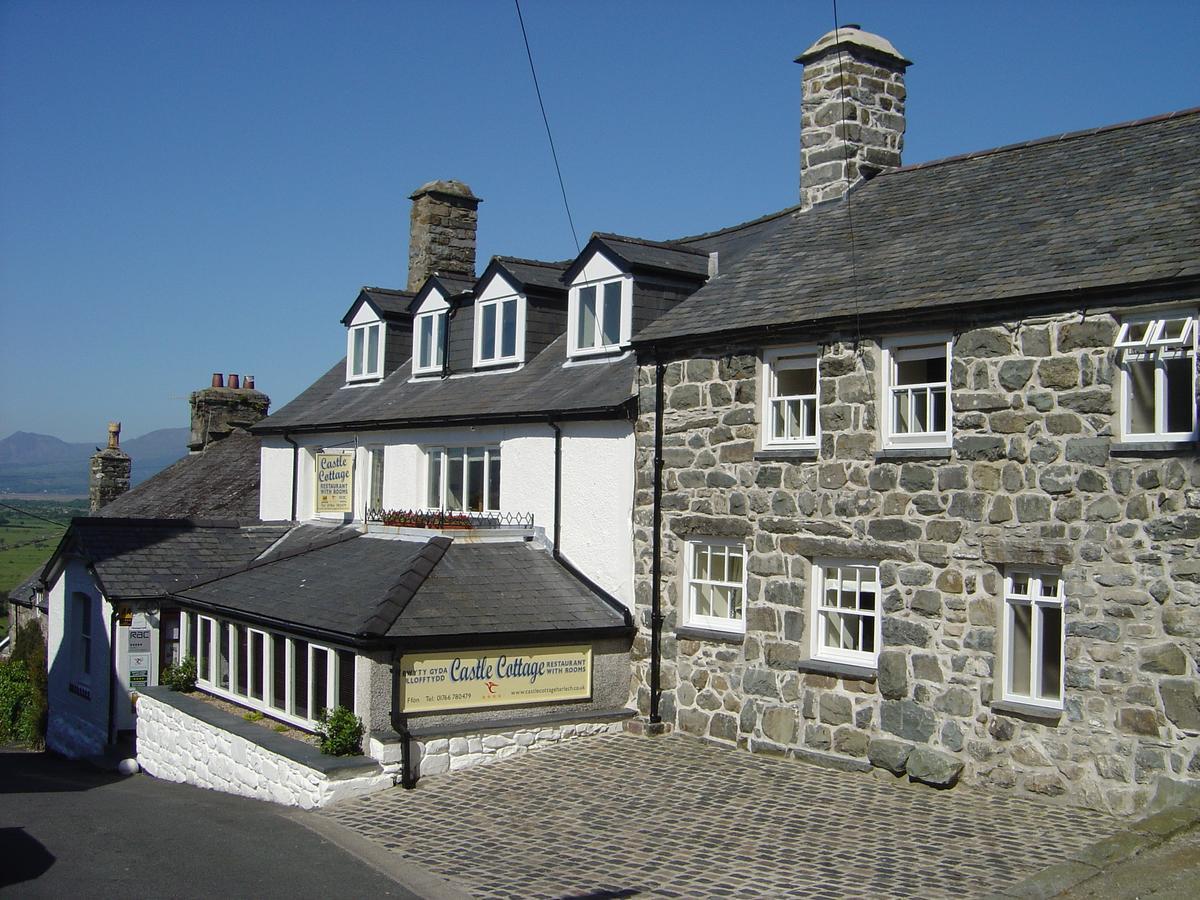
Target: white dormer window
[
  {"x": 599, "y": 315},
  {"x": 429, "y": 330},
  {"x": 364, "y": 356},
  {"x": 499, "y": 330}
]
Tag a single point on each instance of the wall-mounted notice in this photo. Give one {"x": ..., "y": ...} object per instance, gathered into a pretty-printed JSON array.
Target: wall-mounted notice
[
  {"x": 335, "y": 482},
  {"x": 474, "y": 678}
]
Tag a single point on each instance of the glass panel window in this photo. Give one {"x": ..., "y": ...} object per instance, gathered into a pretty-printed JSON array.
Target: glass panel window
[
  {"x": 846, "y": 605},
  {"x": 917, "y": 392},
  {"x": 464, "y": 479},
  {"x": 279, "y": 670},
  {"x": 222, "y": 655},
  {"x": 375, "y": 468},
  {"x": 256, "y": 664},
  {"x": 790, "y": 412},
  {"x": 241, "y": 660},
  {"x": 599, "y": 314},
  {"x": 1033, "y": 637},
  {"x": 190, "y": 633},
  {"x": 716, "y": 585},
  {"x": 345, "y": 663},
  {"x": 319, "y": 682},
  {"x": 430, "y": 331},
  {"x": 1158, "y": 378},
  {"x": 204, "y": 661},
  {"x": 299, "y": 678},
  {"x": 496, "y": 336},
  {"x": 365, "y": 352}
]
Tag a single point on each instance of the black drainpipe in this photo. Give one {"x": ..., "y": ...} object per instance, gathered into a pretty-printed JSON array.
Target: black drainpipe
[
  {"x": 408, "y": 779},
  {"x": 451, "y": 312},
  {"x": 112, "y": 677},
  {"x": 295, "y": 471},
  {"x": 557, "y": 487},
  {"x": 656, "y": 616}
]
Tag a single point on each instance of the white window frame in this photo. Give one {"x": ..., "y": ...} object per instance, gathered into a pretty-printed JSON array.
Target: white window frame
[
  {"x": 498, "y": 358},
  {"x": 1152, "y": 345},
  {"x": 444, "y": 453},
  {"x": 866, "y": 574},
  {"x": 1035, "y": 578},
  {"x": 351, "y": 359},
  {"x": 781, "y": 359},
  {"x": 307, "y": 722},
  {"x": 376, "y": 481},
  {"x": 690, "y": 617},
  {"x": 437, "y": 336},
  {"x": 896, "y": 350},
  {"x": 574, "y": 349}
]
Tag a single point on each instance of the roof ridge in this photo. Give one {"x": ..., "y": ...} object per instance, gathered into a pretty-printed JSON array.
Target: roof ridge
[
  {"x": 663, "y": 245},
  {"x": 741, "y": 225},
  {"x": 393, "y": 604},
  {"x": 1049, "y": 139},
  {"x": 534, "y": 262}
]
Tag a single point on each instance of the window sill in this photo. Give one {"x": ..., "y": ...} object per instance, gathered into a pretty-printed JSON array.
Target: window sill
[
  {"x": 1151, "y": 448},
  {"x": 489, "y": 364},
  {"x": 691, "y": 633},
  {"x": 1043, "y": 714},
  {"x": 913, "y": 453},
  {"x": 782, "y": 454},
  {"x": 838, "y": 669}
]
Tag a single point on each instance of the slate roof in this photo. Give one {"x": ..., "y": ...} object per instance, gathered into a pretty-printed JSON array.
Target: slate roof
[
  {"x": 390, "y": 303},
  {"x": 1111, "y": 207},
  {"x": 222, "y": 482},
  {"x": 533, "y": 272},
  {"x": 642, "y": 254},
  {"x": 541, "y": 388},
  {"x": 143, "y": 558},
  {"x": 371, "y": 587},
  {"x": 23, "y": 594}
]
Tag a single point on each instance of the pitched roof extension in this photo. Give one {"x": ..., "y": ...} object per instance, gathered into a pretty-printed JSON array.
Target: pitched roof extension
[
  {"x": 222, "y": 482},
  {"x": 372, "y": 588},
  {"x": 1111, "y": 207},
  {"x": 146, "y": 558}
]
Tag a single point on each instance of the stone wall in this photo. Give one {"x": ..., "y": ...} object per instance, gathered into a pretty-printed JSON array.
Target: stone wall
[
  {"x": 442, "y": 227},
  {"x": 1033, "y": 477},
  {"x": 175, "y": 746},
  {"x": 438, "y": 755}
]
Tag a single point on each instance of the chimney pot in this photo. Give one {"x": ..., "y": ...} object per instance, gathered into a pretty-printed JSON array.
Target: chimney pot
[
  {"x": 233, "y": 382},
  {"x": 218, "y": 380},
  {"x": 248, "y": 382}
]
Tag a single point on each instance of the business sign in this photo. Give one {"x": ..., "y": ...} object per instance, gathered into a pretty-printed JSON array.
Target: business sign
[
  {"x": 138, "y": 644},
  {"x": 455, "y": 680},
  {"x": 335, "y": 482}
]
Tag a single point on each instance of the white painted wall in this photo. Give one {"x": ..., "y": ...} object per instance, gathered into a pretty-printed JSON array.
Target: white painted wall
[
  {"x": 76, "y": 727},
  {"x": 598, "y": 483}
]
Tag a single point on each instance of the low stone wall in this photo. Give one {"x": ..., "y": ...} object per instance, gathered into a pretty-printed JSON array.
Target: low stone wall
[
  {"x": 185, "y": 740},
  {"x": 450, "y": 754}
]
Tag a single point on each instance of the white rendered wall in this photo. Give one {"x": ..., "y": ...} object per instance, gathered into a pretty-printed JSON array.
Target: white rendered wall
[
  {"x": 275, "y": 488},
  {"x": 76, "y": 727},
  {"x": 597, "y": 483}
]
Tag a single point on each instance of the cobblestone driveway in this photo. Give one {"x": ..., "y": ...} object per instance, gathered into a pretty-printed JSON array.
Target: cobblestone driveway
[{"x": 622, "y": 816}]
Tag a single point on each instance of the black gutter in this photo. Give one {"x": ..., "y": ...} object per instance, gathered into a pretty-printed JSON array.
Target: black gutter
[
  {"x": 451, "y": 312},
  {"x": 295, "y": 471},
  {"x": 615, "y": 411},
  {"x": 656, "y": 616}
]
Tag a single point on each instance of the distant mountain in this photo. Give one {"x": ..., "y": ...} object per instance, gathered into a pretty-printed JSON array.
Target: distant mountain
[{"x": 32, "y": 463}]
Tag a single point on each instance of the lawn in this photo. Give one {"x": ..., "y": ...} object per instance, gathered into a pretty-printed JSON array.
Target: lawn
[{"x": 29, "y": 532}]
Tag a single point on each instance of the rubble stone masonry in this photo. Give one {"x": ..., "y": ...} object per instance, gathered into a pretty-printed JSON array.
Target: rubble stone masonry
[{"x": 1034, "y": 477}]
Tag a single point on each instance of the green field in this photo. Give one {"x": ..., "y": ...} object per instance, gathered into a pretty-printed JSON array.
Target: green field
[{"x": 28, "y": 535}]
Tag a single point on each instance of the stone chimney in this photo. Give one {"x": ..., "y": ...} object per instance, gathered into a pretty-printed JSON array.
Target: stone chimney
[
  {"x": 218, "y": 410},
  {"x": 857, "y": 76},
  {"x": 111, "y": 468},
  {"x": 441, "y": 234}
]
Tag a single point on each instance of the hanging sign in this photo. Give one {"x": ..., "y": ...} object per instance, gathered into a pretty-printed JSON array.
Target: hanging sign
[
  {"x": 335, "y": 482},
  {"x": 476, "y": 678}
]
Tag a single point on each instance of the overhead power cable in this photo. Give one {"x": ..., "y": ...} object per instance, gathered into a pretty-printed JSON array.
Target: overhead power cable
[
  {"x": 554, "y": 153},
  {"x": 34, "y": 515}
]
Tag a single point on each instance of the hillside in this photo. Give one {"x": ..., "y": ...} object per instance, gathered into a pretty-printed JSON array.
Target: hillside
[{"x": 35, "y": 463}]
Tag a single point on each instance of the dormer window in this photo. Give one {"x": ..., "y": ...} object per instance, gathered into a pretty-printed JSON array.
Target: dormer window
[
  {"x": 599, "y": 316},
  {"x": 498, "y": 330},
  {"x": 364, "y": 358},
  {"x": 430, "y": 333}
]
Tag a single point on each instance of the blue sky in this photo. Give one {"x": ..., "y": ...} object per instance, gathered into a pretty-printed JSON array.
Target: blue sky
[{"x": 190, "y": 187}]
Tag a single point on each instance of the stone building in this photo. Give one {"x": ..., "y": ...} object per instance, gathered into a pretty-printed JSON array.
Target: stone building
[{"x": 918, "y": 472}]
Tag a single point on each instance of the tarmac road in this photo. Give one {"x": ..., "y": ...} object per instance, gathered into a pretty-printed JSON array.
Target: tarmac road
[{"x": 67, "y": 830}]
